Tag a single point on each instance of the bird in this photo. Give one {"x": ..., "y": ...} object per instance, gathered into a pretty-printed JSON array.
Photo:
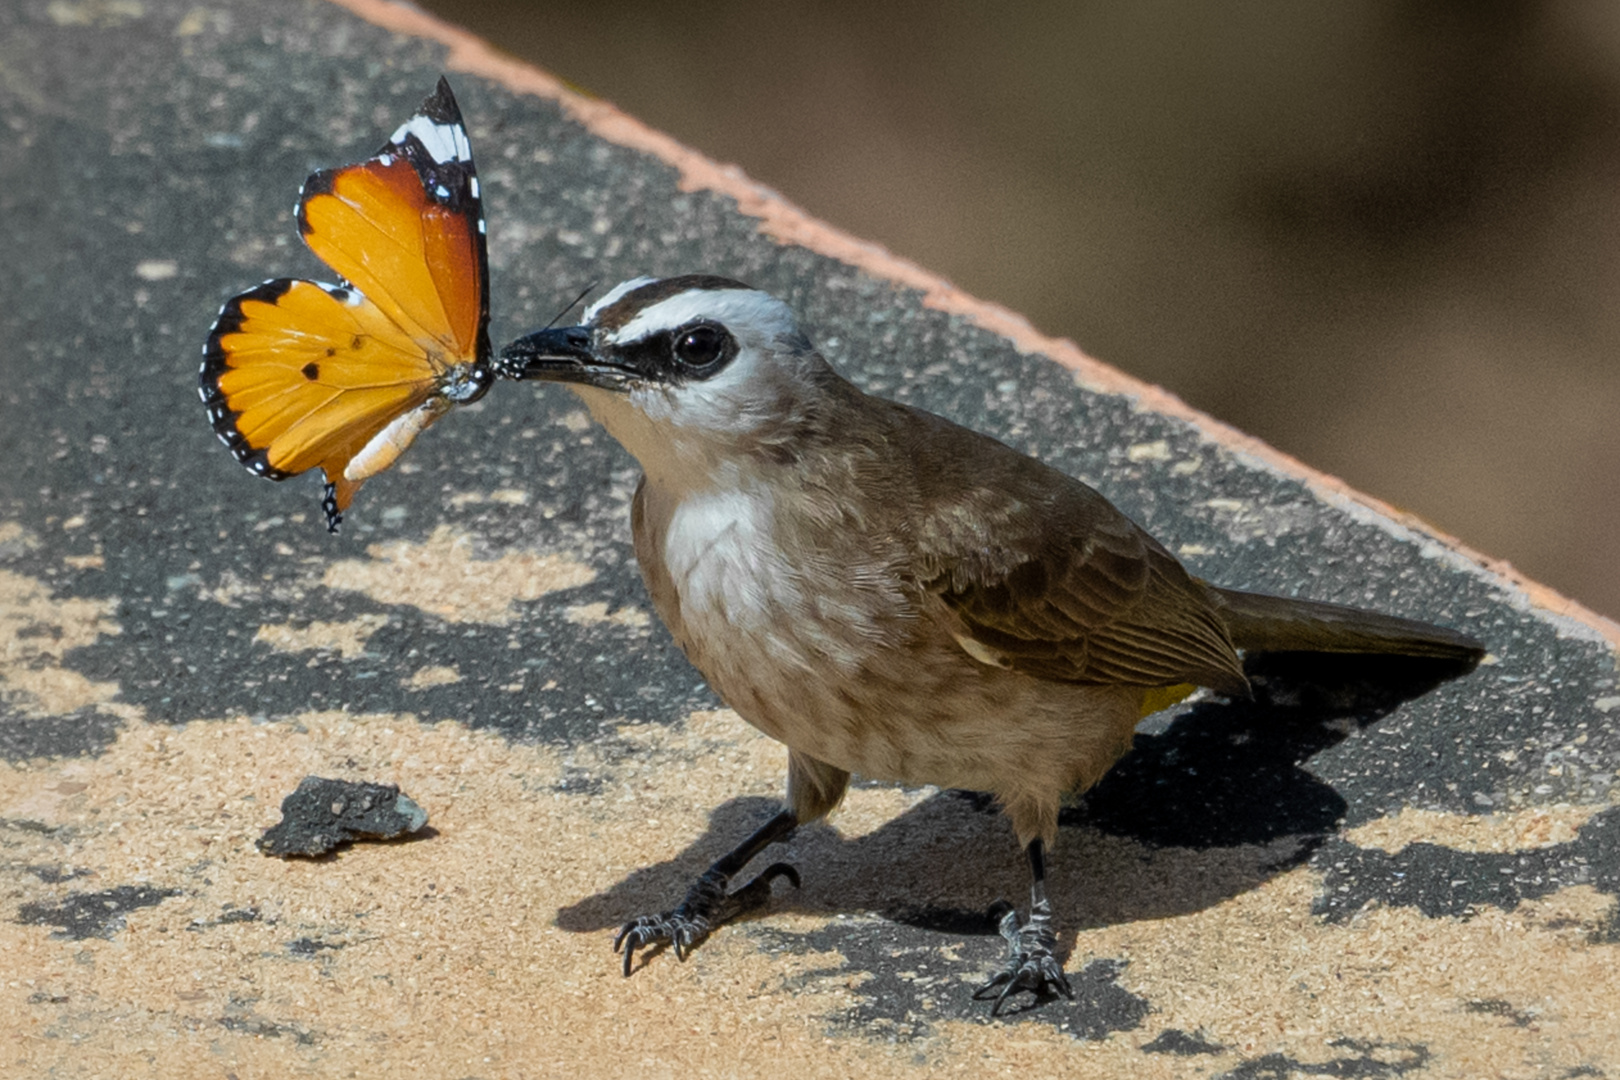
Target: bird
[{"x": 895, "y": 596}]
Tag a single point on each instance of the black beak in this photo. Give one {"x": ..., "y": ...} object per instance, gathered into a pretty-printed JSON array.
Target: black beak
[{"x": 561, "y": 354}]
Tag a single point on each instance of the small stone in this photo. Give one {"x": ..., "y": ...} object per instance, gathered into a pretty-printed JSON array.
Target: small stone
[{"x": 323, "y": 815}]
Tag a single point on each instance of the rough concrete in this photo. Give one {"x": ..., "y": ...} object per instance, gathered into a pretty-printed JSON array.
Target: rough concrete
[{"x": 1331, "y": 881}]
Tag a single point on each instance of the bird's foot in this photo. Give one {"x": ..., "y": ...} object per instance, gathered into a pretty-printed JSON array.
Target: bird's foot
[
  {"x": 1032, "y": 962},
  {"x": 707, "y": 906}
]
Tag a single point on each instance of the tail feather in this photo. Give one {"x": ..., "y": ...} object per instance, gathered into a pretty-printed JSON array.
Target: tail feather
[{"x": 1261, "y": 623}]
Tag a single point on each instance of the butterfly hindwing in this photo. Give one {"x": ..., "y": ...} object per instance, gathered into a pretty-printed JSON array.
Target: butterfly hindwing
[
  {"x": 306, "y": 374},
  {"x": 298, "y": 374}
]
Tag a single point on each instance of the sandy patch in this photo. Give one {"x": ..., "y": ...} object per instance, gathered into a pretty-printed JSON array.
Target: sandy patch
[
  {"x": 346, "y": 638},
  {"x": 1522, "y": 830},
  {"x": 432, "y": 675},
  {"x": 36, "y": 630},
  {"x": 483, "y": 950},
  {"x": 444, "y": 576},
  {"x": 592, "y": 614}
]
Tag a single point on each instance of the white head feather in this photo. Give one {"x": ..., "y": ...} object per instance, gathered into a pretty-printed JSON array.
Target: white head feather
[{"x": 704, "y": 425}]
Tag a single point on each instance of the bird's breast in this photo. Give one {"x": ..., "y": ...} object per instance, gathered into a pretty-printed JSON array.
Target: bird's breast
[
  {"x": 773, "y": 614},
  {"x": 811, "y": 635},
  {"x": 721, "y": 557}
]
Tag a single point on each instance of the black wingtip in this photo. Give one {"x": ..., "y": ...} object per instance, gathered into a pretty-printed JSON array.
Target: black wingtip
[{"x": 440, "y": 106}]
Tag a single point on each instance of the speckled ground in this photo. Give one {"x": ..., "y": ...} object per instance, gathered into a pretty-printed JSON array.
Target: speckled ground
[{"x": 1336, "y": 880}]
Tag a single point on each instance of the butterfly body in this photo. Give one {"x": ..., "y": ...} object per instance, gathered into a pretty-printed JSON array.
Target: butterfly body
[{"x": 301, "y": 374}]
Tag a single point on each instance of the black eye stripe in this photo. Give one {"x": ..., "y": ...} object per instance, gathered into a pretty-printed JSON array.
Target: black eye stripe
[
  {"x": 649, "y": 356},
  {"x": 655, "y": 356}
]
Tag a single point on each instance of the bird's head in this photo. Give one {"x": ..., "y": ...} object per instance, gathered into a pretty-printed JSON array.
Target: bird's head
[{"x": 689, "y": 373}]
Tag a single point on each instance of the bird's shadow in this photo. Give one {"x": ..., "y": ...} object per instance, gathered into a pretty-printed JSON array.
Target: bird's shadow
[{"x": 1212, "y": 805}]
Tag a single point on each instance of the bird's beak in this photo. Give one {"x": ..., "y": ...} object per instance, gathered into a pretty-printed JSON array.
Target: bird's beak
[{"x": 562, "y": 354}]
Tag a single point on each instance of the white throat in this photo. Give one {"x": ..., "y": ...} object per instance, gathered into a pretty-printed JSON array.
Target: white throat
[{"x": 676, "y": 460}]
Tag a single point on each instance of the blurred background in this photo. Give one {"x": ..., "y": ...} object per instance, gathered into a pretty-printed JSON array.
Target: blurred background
[{"x": 1383, "y": 236}]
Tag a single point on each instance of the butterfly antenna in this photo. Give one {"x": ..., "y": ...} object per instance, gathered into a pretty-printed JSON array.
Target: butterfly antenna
[{"x": 571, "y": 305}]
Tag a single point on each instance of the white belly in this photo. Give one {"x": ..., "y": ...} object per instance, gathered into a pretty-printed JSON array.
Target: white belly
[{"x": 751, "y": 618}]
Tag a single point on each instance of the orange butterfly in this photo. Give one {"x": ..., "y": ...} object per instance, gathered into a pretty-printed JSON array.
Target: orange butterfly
[{"x": 298, "y": 373}]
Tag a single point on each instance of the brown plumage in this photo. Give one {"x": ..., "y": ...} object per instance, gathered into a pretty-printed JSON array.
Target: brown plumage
[{"x": 890, "y": 594}]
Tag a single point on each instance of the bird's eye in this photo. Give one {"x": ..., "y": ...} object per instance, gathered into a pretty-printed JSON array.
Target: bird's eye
[{"x": 701, "y": 346}]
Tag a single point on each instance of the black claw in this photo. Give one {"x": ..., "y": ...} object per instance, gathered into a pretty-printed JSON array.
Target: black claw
[
  {"x": 630, "y": 932},
  {"x": 707, "y": 905},
  {"x": 995, "y": 1010},
  {"x": 1005, "y": 976},
  {"x": 1031, "y": 965}
]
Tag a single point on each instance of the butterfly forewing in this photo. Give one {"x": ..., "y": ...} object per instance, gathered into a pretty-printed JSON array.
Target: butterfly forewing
[
  {"x": 297, "y": 374},
  {"x": 432, "y": 276},
  {"x": 376, "y": 226}
]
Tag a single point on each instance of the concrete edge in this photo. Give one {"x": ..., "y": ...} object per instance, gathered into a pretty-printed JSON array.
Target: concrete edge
[{"x": 788, "y": 224}]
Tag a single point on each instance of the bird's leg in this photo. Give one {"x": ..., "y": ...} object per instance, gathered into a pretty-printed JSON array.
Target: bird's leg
[
  {"x": 707, "y": 904},
  {"x": 1032, "y": 962}
]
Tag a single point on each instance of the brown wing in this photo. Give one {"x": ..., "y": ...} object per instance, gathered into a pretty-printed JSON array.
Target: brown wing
[{"x": 1043, "y": 575}]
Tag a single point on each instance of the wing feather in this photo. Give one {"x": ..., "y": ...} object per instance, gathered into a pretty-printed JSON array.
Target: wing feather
[{"x": 1042, "y": 573}]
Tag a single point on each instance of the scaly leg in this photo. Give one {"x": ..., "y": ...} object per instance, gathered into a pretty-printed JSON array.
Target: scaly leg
[
  {"x": 1032, "y": 962},
  {"x": 707, "y": 904}
]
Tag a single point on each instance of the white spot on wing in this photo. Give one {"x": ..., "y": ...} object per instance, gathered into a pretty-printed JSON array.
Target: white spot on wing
[
  {"x": 348, "y": 295},
  {"x": 443, "y": 142}
]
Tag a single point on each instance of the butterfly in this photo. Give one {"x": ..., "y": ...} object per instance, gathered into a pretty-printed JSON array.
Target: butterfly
[{"x": 298, "y": 374}]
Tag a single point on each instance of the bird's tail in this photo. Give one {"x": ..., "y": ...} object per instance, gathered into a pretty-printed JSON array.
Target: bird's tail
[{"x": 1261, "y": 623}]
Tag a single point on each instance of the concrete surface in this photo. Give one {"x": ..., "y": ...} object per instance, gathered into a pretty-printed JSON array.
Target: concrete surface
[{"x": 1333, "y": 881}]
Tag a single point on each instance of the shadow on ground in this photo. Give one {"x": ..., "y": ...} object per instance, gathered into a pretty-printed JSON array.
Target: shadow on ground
[{"x": 1211, "y": 806}]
